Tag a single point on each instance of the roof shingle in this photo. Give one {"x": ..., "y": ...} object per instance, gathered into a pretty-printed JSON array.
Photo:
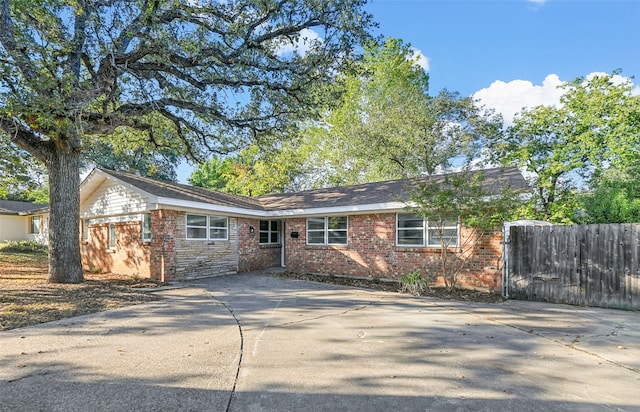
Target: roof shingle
[
  {"x": 380, "y": 192},
  {"x": 12, "y": 207},
  {"x": 363, "y": 194},
  {"x": 185, "y": 192}
]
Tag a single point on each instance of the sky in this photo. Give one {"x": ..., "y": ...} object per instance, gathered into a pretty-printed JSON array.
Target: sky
[{"x": 512, "y": 54}]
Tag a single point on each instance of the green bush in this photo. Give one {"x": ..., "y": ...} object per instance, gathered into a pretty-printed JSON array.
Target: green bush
[
  {"x": 414, "y": 283},
  {"x": 23, "y": 246}
]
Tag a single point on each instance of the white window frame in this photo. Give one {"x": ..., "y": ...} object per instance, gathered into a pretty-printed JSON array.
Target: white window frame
[
  {"x": 421, "y": 229},
  {"x": 269, "y": 232},
  {"x": 447, "y": 226},
  {"x": 326, "y": 230},
  {"x": 85, "y": 229},
  {"x": 427, "y": 238},
  {"x": 209, "y": 220},
  {"x": 212, "y": 228},
  {"x": 113, "y": 235},
  {"x": 38, "y": 226},
  {"x": 146, "y": 224}
]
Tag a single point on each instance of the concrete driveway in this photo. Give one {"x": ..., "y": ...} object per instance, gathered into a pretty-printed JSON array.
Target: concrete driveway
[{"x": 259, "y": 343}]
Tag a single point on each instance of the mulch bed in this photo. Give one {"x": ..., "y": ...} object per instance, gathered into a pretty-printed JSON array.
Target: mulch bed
[{"x": 466, "y": 295}]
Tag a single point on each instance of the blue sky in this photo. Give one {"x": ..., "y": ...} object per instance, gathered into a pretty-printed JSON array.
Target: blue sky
[{"x": 511, "y": 54}]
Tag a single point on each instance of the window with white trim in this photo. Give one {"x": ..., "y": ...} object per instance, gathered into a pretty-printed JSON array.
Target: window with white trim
[
  {"x": 447, "y": 231},
  {"x": 269, "y": 232},
  {"x": 202, "y": 227},
  {"x": 146, "y": 227},
  {"x": 112, "y": 235},
  {"x": 35, "y": 225},
  {"x": 410, "y": 229},
  {"x": 85, "y": 229},
  {"x": 328, "y": 230},
  {"x": 218, "y": 227},
  {"x": 414, "y": 230}
]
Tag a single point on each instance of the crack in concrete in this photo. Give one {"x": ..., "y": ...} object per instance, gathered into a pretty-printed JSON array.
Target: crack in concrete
[
  {"x": 31, "y": 375},
  {"x": 237, "y": 321},
  {"x": 329, "y": 315},
  {"x": 558, "y": 341},
  {"x": 242, "y": 330}
]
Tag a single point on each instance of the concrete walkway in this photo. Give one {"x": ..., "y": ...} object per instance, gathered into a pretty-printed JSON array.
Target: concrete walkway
[{"x": 259, "y": 343}]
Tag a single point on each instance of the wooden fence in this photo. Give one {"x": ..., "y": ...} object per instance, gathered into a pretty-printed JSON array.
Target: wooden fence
[{"x": 590, "y": 265}]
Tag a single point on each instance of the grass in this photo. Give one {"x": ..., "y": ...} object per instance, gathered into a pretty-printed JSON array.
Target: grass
[{"x": 27, "y": 299}]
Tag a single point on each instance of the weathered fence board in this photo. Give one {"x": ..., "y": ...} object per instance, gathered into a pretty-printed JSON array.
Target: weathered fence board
[{"x": 591, "y": 265}]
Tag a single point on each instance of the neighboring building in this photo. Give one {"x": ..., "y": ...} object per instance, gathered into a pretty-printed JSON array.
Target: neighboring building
[
  {"x": 23, "y": 221},
  {"x": 169, "y": 231}
]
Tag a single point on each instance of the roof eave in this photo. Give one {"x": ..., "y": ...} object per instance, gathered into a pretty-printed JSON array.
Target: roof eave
[{"x": 386, "y": 207}]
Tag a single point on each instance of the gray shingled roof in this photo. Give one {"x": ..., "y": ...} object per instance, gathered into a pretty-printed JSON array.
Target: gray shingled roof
[
  {"x": 185, "y": 192},
  {"x": 363, "y": 194},
  {"x": 379, "y": 192},
  {"x": 12, "y": 207}
]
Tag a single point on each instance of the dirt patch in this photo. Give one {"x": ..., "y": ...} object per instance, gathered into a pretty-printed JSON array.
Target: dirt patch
[
  {"x": 26, "y": 298},
  {"x": 466, "y": 295}
]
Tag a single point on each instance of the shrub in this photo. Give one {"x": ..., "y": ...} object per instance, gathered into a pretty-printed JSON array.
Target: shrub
[
  {"x": 23, "y": 246},
  {"x": 414, "y": 283}
]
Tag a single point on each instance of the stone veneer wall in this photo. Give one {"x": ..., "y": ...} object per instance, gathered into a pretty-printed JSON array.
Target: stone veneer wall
[
  {"x": 131, "y": 255},
  {"x": 200, "y": 258},
  {"x": 253, "y": 256},
  {"x": 371, "y": 252}
]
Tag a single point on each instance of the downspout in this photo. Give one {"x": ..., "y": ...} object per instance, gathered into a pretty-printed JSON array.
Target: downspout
[
  {"x": 283, "y": 261},
  {"x": 505, "y": 260}
]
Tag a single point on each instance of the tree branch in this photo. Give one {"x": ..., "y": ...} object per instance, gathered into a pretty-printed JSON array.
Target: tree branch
[
  {"x": 24, "y": 137},
  {"x": 8, "y": 41}
]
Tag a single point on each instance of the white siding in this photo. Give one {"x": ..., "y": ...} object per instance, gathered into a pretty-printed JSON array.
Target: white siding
[
  {"x": 113, "y": 199},
  {"x": 13, "y": 228},
  {"x": 136, "y": 217}
]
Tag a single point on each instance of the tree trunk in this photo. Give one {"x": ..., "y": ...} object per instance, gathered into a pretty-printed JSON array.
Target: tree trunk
[{"x": 65, "y": 264}]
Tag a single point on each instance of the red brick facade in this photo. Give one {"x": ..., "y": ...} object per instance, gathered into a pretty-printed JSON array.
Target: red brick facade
[
  {"x": 372, "y": 252},
  {"x": 251, "y": 254},
  {"x": 163, "y": 244},
  {"x": 129, "y": 256}
]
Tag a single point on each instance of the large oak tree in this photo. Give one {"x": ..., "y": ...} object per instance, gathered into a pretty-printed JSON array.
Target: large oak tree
[{"x": 195, "y": 76}]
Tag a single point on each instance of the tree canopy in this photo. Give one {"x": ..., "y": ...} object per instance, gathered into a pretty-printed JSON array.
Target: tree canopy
[
  {"x": 595, "y": 127},
  {"x": 251, "y": 172},
  {"x": 197, "y": 77},
  {"x": 387, "y": 126},
  {"x": 379, "y": 123}
]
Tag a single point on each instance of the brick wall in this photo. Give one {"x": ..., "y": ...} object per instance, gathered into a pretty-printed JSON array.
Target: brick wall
[
  {"x": 371, "y": 252},
  {"x": 131, "y": 255},
  {"x": 162, "y": 254},
  {"x": 251, "y": 255}
]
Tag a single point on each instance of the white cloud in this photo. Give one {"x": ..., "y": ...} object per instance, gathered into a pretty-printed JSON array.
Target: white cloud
[
  {"x": 420, "y": 59},
  {"x": 510, "y": 98},
  {"x": 617, "y": 80},
  {"x": 301, "y": 45},
  {"x": 540, "y": 2}
]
